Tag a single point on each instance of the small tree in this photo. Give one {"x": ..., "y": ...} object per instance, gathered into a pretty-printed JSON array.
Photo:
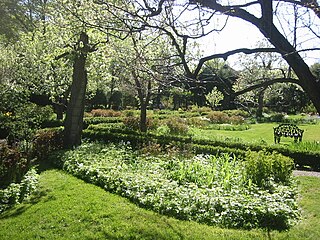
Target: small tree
[{"x": 214, "y": 98}]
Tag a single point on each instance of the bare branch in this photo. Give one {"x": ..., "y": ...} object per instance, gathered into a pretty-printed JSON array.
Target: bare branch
[
  {"x": 311, "y": 4},
  {"x": 229, "y": 53},
  {"x": 267, "y": 83}
]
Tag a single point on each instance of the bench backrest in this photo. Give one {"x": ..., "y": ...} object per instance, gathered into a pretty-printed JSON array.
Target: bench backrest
[{"x": 289, "y": 130}]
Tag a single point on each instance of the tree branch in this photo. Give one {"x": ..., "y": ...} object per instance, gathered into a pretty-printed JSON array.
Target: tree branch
[
  {"x": 266, "y": 84},
  {"x": 229, "y": 53}
]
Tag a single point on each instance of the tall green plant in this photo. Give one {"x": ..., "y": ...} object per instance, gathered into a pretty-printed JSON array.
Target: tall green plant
[{"x": 263, "y": 168}]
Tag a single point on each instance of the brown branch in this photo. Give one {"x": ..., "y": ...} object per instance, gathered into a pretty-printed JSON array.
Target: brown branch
[
  {"x": 229, "y": 53},
  {"x": 266, "y": 84}
]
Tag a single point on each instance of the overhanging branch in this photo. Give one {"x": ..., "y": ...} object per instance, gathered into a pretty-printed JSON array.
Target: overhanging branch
[
  {"x": 266, "y": 84},
  {"x": 229, "y": 53}
]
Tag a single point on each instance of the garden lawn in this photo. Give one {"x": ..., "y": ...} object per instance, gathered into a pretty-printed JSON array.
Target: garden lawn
[
  {"x": 68, "y": 208},
  {"x": 262, "y": 132}
]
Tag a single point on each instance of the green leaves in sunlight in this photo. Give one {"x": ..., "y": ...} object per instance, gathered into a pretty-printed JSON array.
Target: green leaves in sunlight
[{"x": 208, "y": 189}]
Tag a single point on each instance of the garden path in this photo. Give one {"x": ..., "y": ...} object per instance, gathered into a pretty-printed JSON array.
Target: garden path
[{"x": 306, "y": 173}]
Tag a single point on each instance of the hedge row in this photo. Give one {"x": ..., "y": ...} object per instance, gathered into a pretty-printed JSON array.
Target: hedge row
[
  {"x": 86, "y": 121},
  {"x": 301, "y": 158}
]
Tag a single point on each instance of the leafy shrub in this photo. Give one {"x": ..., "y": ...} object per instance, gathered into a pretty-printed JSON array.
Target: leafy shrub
[
  {"x": 132, "y": 123},
  {"x": 237, "y": 112},
  {"x": 197, "y": 121},
  {"x": 177, "y": 125},
  {"x": 97, "y": 120},
  {"x": 229, "y": 127},
  {"x": 105, "y": 113},
  {"x": 129, "y": 113},
  {"x": 274, "y": 117},
  {"x": 17, "y": 192},
  {"x": 151, "y": 148},
  {"x": 236, "y": 120},
  {"x": 13, "y": 165},
  {"x": 201, "y": 110},
  {"x": 163, "y": 130},
  {"x": 263, "y": 168},
  {"x": 218, "y": 117},
  {"x": 277, "y": 117},
  {"x": 52, "y": 123},
  {"x": 22, "y": 123},
  {"x": 46, "y": 141}
]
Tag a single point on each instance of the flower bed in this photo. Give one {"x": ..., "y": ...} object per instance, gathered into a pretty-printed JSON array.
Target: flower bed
[{"x": 208, "y": 189}]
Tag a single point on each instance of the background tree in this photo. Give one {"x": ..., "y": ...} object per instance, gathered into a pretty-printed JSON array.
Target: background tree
[
  {"x": 185, "y": 21},
  {"x": 141, "y": 58}
]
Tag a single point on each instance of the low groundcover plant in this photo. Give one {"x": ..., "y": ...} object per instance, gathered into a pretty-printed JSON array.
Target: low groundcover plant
[{"x": 216, "y": 190}]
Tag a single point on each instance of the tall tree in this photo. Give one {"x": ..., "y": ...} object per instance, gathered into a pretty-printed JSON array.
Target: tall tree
[{"x": 75, "y": 111}]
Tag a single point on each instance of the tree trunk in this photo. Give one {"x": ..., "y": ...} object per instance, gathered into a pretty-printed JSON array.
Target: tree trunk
[
  {"x": 260, "y": 103},
  {"x": 75, "y": 110},
  {"x": 307, "y": 80},
  {"x": 143, "y": 117}
]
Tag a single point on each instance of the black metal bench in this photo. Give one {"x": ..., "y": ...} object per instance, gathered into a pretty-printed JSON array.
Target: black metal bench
[{"x": 287, "y": 130}]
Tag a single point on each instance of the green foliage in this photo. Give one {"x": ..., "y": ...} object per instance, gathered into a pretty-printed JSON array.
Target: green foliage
[
  {"x": 226, "y": 117},
  {"x": 264, "y": 169},
  {"x": 304, "y": 154},
  {"x": 97, "y": 120},
  {"x": 201, "y": 110},
  {"x": 74, "y": 209},
  {"x": 274, "y": 117},
  {"x": 17, "y": 192},
  {"x": 229, "y": 127},
  {"x": 214, "y": 97},
  {"x": 23, "y": 120},
  {"x": 197, "y": 122},
  {"x": 132, "y": 123},
  {"x": 237, "y": 112},
  {"x": 204, "y": 188}
]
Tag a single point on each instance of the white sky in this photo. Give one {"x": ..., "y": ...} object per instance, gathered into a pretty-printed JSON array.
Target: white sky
[{"x": 237, "y": 34}]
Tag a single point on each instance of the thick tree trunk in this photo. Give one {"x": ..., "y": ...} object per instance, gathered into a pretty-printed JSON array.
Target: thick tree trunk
[
  {"x": 306, "y": 79},
  {"x": 75, "y": 110}
]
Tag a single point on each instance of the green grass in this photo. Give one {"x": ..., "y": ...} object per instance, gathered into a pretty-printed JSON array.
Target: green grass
[
  {"x": 68, "y": 208},
  {"x": 257, "y": 133}
]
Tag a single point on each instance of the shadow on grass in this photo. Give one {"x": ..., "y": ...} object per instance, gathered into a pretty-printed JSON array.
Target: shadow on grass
[
  {"x": 36, "y": 197},
  {"x": 16, "y": 210}
]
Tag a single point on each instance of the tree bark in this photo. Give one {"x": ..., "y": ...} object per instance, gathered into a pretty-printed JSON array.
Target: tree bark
[
  {"x": 74, "y": 118},
  {"x": 260, "y": 103}
]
